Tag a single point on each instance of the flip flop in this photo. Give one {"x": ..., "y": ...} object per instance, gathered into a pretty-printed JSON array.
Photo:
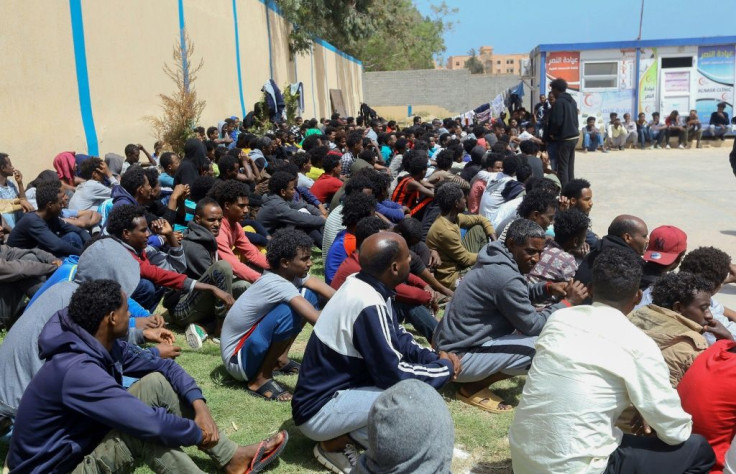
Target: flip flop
[
  {"x": 291, "y": 368},
  {"x": 485, "y": 400},
  {"x": 263, "y": 458},
  {"x": 270, "y": 386}
]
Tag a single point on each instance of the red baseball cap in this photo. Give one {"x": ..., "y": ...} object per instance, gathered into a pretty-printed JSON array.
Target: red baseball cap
[{"x": 665, "y": 244}]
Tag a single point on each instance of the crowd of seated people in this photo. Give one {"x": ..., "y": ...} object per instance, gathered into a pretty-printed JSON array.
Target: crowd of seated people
[{"x": 463, "y": 232}]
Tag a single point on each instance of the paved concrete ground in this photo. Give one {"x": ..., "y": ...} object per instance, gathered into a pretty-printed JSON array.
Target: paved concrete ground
[{"x": 693, "y": 189}]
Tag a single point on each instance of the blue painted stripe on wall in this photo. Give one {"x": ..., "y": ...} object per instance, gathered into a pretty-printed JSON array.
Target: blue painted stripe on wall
[
  {"x": 268, "y": 33},
  {"x": 273, "y": 7},
  {"x": 80, "y": 60},
  {"x": 183, "y": 44},
  {"x": 314, "y": 101},
  {"x": 237, "y": 58}
]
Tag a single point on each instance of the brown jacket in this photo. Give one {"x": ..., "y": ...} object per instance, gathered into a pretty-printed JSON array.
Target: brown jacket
[
  {"x": 680, "y": 339},
  {"x": 444, "y": 237}
]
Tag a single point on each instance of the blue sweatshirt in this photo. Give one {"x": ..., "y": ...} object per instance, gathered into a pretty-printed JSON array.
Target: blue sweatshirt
[
  {"x": 357, "y": 342},
  {"x": 31, "y": 231},
  {"x": 77, "y": 398}
]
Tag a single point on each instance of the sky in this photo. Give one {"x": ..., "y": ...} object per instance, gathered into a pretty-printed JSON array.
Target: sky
[{"x": 517, "y": 27}]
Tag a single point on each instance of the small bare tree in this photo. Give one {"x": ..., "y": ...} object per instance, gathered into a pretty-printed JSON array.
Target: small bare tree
[{"x": 180, "y": 111}]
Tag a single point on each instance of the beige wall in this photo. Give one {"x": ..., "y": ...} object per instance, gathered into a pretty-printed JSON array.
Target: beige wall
[{"x": 127, "y": 44}]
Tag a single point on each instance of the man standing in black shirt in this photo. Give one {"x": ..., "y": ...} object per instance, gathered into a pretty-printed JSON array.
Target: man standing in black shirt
[{"x": 562, "y": 128}]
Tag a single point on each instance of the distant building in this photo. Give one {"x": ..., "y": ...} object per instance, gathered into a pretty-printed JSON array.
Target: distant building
[
  {"x": 641, "y": 76},
  {"x": 492, "y": 63}
]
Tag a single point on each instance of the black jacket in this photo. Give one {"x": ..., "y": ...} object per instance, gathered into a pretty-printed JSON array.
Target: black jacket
[
  {"x": 562, "y": 123},
  {"x": 585, "y": 270},
  {"x": 200, "y": 250}
]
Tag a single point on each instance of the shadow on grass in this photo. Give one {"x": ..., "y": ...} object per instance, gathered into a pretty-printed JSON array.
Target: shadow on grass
[
  {"x": 299, "y": 450},
  {"x": 510, "y": 390},
  {"x": 495, "y": 467}
]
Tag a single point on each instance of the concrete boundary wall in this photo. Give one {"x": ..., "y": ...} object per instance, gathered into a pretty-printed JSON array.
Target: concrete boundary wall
[
  {"x": 429, "y": 89},
  {"x": 82, "y": 75}
]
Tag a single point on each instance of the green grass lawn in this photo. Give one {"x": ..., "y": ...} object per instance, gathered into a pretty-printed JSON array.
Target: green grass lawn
[{"x": 247, "y": 419}]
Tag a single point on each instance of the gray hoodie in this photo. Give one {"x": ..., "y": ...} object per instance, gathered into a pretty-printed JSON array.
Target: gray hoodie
[
  {"x": 410, "y": 431},
  {"x": 491, "y": 301},
  {"x": 275, "y": 214},
  {"x": 19, "y": 360}
]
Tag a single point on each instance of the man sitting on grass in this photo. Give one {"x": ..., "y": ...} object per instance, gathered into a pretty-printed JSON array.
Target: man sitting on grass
[
  {"x": 491, "y": 319},
  {"x": 203, "y": 264},
  {"x": 678, "y": 318},
  {"x": 591, "y": 364},
  {"x": 260, "y": 328},
  {"x": 357, "y": 351},
  {"x": 356, "y": 207},
  {"x": 329, "y": 182},
  {"x": 44, "y": 228},
  {"x": 557, "y": 262},
  {"x": 414, "y": 298},
  {"x": 233, "y": 246},
  {"x": 457, "y": 252},
  {"x": 76, "y": 416},
  {"x": 127, "y": 225},
  {"x": 279, "y": 210}
]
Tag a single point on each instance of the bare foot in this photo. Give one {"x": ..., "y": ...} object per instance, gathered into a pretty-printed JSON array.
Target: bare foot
[{"x": 244, "y": 454}]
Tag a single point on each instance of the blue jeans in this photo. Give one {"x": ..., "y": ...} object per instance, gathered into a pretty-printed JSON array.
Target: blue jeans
[
  {"x": 658, "y": 136},
  {"x": 148, "y": 295},
  {"x": 345, "y": 413},
  {"x": 591, "y": 141},
  {"x": 73, "y": 239},
  {"x": 419, "y": 316},
  {"x": 716, "y": 131},
  {"x": 644, "y": 136},
  {"x": 280, "y": 324}
]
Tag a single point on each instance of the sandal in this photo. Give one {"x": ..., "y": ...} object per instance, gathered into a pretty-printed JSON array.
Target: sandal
[
  {"x": 271, "y": 387},
  {"x": 485, "y": 400},
  {"x": 291, "y": 368},
  {"x": 263, "y": 458}
]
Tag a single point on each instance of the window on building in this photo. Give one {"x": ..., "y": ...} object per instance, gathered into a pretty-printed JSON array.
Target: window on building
[
  {"x": 600, "y": 75},
  {"x": 683, "y": 61},
  {"x": 510, "y": 71},
  {"x": 509, "y": 61},
  {"x": 457, "y": 63},
  {"x": 498, "y": 71},
  {"x": 498, "y": 62}
]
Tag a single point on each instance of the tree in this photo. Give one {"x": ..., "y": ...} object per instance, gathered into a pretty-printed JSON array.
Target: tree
[
  {"x": 384, "y": 34},
  {"x": 180, "y": 111},
  {"x": 473, "y": 64}
]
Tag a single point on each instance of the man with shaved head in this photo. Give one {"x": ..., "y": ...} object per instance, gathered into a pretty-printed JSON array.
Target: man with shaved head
[
  {"x": 357, "y": 351},
  {"x": 627, "y": 232}
]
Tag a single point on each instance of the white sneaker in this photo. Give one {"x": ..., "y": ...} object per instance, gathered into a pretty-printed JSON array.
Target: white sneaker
[
  {"x": 680, "y": 146},
  {"x": 341, "y": 462},
  {"x": 668, "y": 146},
  {"x": 195, "y": 336}
]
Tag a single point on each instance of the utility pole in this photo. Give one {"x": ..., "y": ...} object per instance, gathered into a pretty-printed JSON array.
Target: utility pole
[{"x": 641, "y": 20}]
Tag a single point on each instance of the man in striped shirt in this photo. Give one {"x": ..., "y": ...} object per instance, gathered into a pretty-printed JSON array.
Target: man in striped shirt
[{"x": 357, "y": 351}]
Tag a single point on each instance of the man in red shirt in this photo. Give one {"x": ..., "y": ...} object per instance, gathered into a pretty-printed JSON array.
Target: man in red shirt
[
  {"x": 707, "y": 394},
  {"x": 232, "y": 244},
  {"x": 325, "y": 187},
  {"x": 127, "y": 224},
  {"x": 414, "y": 298}
]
